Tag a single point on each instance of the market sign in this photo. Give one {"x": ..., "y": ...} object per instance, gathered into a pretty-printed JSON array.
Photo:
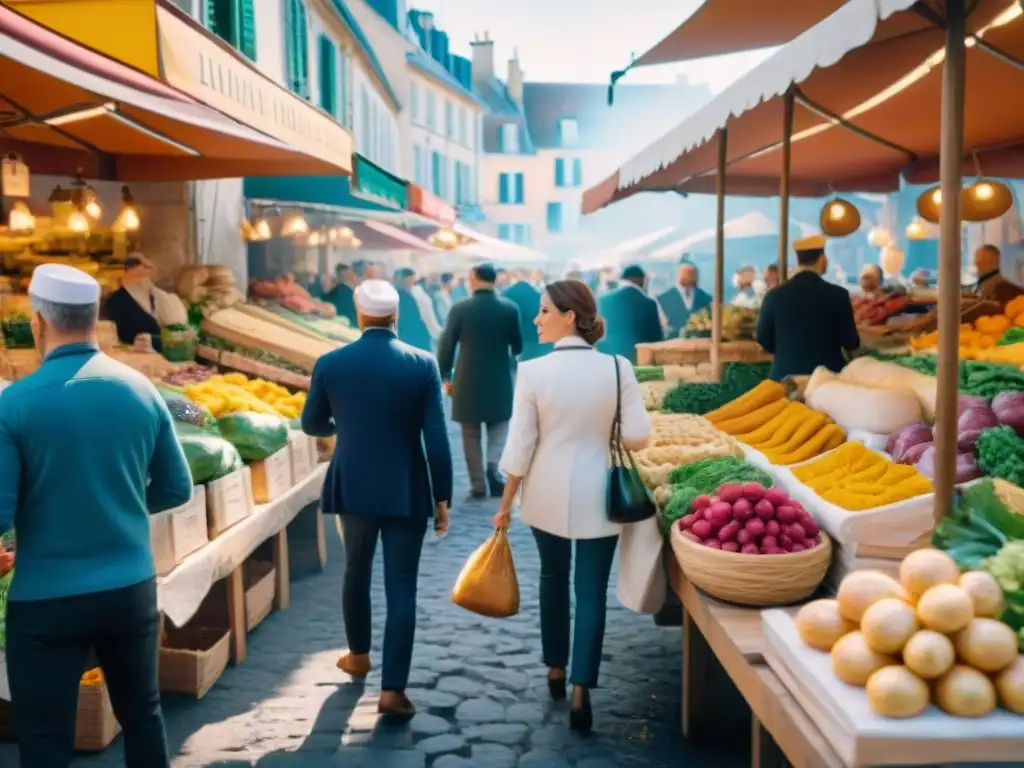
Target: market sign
[
  {"x": 431, "y": 206},
  {"x": 373, "y": 183}
]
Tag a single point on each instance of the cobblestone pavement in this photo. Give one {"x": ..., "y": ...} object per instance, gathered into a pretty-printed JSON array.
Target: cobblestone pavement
[{"x": 478, "y": 683}]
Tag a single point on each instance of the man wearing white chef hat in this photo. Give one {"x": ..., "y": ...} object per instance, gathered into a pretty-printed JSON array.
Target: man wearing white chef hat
[
  {"x": 87, "y": 452},
  {"x": 390, "y": 473}
]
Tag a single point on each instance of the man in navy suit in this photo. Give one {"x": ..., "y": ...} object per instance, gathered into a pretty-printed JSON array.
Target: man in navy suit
[
  {"x": 630, "y": 314},
  {"x": 391, "y": 472},
  {"x": 684, "y": 299},
  {"x": 526, "y": 297}
]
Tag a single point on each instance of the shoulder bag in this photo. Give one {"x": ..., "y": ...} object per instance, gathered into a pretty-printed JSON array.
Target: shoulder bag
[{"x": 628, "y": 500}]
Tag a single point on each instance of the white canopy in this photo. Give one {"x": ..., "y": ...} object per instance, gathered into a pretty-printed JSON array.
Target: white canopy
[
  {"x": 486, "y": 248},
  {"x": 753, "y": 224}
]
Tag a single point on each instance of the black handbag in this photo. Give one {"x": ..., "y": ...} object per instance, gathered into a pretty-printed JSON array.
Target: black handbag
[{"x": 628, "y": 500}]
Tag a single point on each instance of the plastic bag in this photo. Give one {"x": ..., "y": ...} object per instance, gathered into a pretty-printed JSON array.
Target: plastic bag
[
  {"x": 255, "y": 435},
  {"x": 487, "y": 584},
  {"x": 209, "y": 457},
  {"x": 185, "y": 411}
]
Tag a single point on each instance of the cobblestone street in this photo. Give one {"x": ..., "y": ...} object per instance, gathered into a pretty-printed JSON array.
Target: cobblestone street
[{"x": 478, "y": 683}]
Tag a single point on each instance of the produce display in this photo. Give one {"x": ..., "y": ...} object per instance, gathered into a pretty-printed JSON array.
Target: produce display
[
  {"x": 930, "y": 637},
  {"x": 786, "y": 432},
  {"x": 751, "y": 520},
  {"x": 6, "y": 574},
  {"x": 210, "y": 288},
  {"x": 984, "y": 333},
  {"x": 704, "y": 477},
  {"x": 856, "y": 406},
  {"x": 187, "y": 411},
  {"x": 738, "y": 324},
  {"x": 237, "y": 327},
  {"x": 892, "y": 375},
  {"x": 983, "y": 379},
  {"x": 251, "y": 353},
  {"x": 856, "y": 479},
  {"x": 236, "y": 392},
  {"x": 680, "y": 439},
  {"x": 316, "y": 327},
  {"x": 209, "y": 456},
  {"x": 701, "y": 398},
  {"x": 654, "y": 393},
  {"x": 189, "y": 374},
  {"x": 875, "y": 311},
  {"x": 290, "y": 295},
  {"x": 17, "y": 331},
  {"x": 255, "y": 435}
]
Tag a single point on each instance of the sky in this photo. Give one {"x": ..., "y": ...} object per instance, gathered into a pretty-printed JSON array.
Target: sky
[{"x": 580, "y": 40}]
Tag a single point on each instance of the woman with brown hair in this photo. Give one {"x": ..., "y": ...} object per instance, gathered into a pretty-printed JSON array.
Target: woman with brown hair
[{"x": 557, "y": 454}]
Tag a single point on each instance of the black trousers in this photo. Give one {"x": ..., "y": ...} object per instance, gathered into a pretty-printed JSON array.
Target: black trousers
[{"x": 48, "y": 642}]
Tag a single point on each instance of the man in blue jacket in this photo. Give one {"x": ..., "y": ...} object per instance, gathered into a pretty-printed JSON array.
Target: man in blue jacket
[
  {"x": 631, "y": 316},
  {"x": 412, "y": 328},
  {"x": 683, "y": 299},
  {"x": 87, "y": 452},
  {"x": 391, "y": 472},
  {"x": 526, "y": 297}
]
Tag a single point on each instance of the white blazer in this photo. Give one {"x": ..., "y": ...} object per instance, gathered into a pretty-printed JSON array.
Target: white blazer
[{"x": 558, "y": 437}]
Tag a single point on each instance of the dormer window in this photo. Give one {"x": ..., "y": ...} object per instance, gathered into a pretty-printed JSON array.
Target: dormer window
[
  {"x": 568, "y": 131},
  {"x": 510, "y": 138}
]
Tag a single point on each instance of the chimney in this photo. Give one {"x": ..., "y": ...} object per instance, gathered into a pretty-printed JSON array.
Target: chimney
[
  {"x": 515, "y": 79},
  {"x": 483, "y": 57},
  {"x": 426, "y": 23}
]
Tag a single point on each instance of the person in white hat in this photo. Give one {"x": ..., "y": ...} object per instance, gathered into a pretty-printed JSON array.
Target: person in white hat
[
  {"x": 87, "y": 452},
  {"x": 390, "y": 473}
]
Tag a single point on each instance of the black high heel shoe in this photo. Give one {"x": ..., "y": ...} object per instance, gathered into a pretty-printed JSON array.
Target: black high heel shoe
[
  {"x": 556, "y": 684},
  {"x": 581, "y": 717}
]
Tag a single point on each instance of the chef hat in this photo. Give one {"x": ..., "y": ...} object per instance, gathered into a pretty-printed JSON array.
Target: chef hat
[
  {"x": 377, "y": 298},
  {"x": 61, "y": 284}
]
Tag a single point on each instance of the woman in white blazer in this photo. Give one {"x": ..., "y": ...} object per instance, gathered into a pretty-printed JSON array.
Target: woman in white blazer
[{"x": 557, "y": 456}]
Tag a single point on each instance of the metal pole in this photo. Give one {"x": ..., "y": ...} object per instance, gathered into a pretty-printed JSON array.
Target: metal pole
[
  {"x": 950, "y": 178},
  {"x": 787, "y": 154},
  {"x": 716, "y": 306}
]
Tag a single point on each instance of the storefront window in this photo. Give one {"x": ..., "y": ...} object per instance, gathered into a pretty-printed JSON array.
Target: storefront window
[{"x": 234, "y": 22}]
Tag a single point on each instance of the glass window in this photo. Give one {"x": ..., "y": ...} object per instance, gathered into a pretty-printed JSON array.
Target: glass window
[
  {"x": 414, "y": 99},
  {"x": 559, "y": 172},
  {"x": 437, "y": 175},
  {"x": 431, "y": 110},
  {"x": 449, "y": 119},
  {"x": 577, "y": 172},
  {"x": 520, "y": 183},
  {"x": 365, "y": 137},
  {"x": 510, "y": 138},
  {"x": 297, "y": 42},
  {"x": 568, "y": 131},
  {"x": 554, "y": 217},
  {"x": 344, "y": 90},
  {"x": 505, "y": 232},
  {"x": 417, "y": 164},
  {"x": 328, "y": 76},
  {"x": 463, "y": 126},
  {"x": 234, "y": 22},
  {"x": 504, "y": 190}
]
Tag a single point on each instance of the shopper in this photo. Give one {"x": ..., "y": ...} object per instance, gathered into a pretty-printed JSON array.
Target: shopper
[
  {"x": 484, "y": 332},
  {"x": 87, "y": 452},
  {"x": 684, "y": 299},
  {"x": 412, "y": 327},
  {"x": 557, "y": 455},
  {"x": 526, "y": 297},
  {"x": 391, "y": 471},
  {"x": 631, "y": 314},
  {"x": 342, "y": 295},
  {"x": 443, "y": 299},
  {"x": 807, "y": 322}
]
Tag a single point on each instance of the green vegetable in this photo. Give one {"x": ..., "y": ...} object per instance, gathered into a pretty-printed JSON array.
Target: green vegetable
[
  {"x": 209, "y": 457},
  {"x": 978, "y": 526},
  {"x": 187, "y": 412},
  {"x": 649, "y": 373},
  {"x": 1012, "y": 335},
  {"x": 705, "y": 477},
  {"x": 1007, "y": 567},
  {"x": 255, "y": 435},
  {"x": 1000, "y": 453},
  {"x": 17, "y": 331},
  {"x": 976, "y": 377},
  {"x": 701, "y": 398}
]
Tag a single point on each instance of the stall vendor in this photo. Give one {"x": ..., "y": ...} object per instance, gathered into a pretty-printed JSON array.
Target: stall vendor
[
  {"x": 683, "y": 300},
  {"x": 139, "y": 307},
  {"x": 806, "y": 321},
  {"x": 991, "y": 285}
]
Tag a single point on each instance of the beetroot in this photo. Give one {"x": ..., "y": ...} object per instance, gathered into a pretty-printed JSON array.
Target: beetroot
[
  {"x": 686, "y": 522},
  {"x": 750, "y": 549},
  {"x": 776, "y": 497},
  {"x": 744, "y": 537},
  {"x": 730, "y": 546},
  {"x": 718, "y": 514},
  {"x": 772, "y": 528},
  {"x": 797, "y": 532},
  {"x": 743, "y": 510},
  {"x": 712, "y": 543},
  {"x": 764, "y": 509},
  {"x": 755, "y": 526},
  {"x": 965, "y": 402},
  {"x": 701, "y": 502},
  {"x": 979, "y": 418},
  {"x": 730, "y": 492},
  {"x": 753, "y": 491},
  {"x": 701, "y": 529},
  {"x": 910, "y": 436},
  {"x": 729, "y": 531},
  {"x": 786, "y": 514}
]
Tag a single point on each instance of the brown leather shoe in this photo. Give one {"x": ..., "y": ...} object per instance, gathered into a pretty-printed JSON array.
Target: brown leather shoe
[
  {"x": 356, "y": 665},
  {"x": 395, "y": 705}
]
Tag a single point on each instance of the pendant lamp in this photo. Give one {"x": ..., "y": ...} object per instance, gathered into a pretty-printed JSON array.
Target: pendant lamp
[{"x": 839, "y": 218}]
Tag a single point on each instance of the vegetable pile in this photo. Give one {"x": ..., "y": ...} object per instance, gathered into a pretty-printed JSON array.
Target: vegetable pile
[
  {"x": 870, "y": 311},
  {"x": 931, "y": 636},
  {"x": 751, "y": 520},
  {"x": 255, "y": 435},
  {"x": 6, "y": 575},
  {"x": 678, "y": 439},
  {"x": 236, "y": 392},
  {"x": 209, "y": 456},
  {"x": 704, "y": 478},
  {"x": 700, "y": 398},
  {"x": 984, "y": 379}
]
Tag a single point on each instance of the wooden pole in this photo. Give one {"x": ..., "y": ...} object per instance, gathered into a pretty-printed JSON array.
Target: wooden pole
[
  {"x": 787, "y": 154},
  {"x": 716, "y": 306},
  {"x": 950, "y": 179}
]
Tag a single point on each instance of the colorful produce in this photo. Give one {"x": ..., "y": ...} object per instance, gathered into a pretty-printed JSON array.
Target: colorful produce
[
  {"x": 895, "y": 691},
  {"x": 240, "y": 328},
  {"x": 255, "y": 435},
  {"x": 875, "y": 311},
  {"x": 236, "y": 393},
  {"x": 189, "y": 374},
  {"x": 888, "y": 624},
  {"x": 738, "y": 323},
  {"x": 929, "y": 654},
  {"x": 820, "y": 624},
  {"x": 704, "y": 478},
  {"x": 862, "y": 589},
  {"x": 926, "y": 568},
  {"x": 1012, "y": 335},
  {"x": 985, "y": 593},
  {"x": 869, "y": 372},
  {"x": 1008, "y": 409},
  {"x": 700, "y": 398},
  {"x": 5, "y": 585},
  {"x": 854, "y": 661},
  {"x": 209, "y": 457},
  {"x": 945, "y": 608},
  {"x": 855, "y": 406},
  {"x": 856, "y": 478},
  {"x": 1010, "y": 687},
  {"x": 185, "y": 410},
  {"x": 289, "y": 294},
  {"x": 649, "y": 373},
  {"x": 765, "y": 393},
  {"x": 965, "y": 692},
  {"x": 319, "y": 328},
  {"x": 1000, "y": 453},
  {"x": 680, "y": 439},
  {"x": 978, "y": 526}
]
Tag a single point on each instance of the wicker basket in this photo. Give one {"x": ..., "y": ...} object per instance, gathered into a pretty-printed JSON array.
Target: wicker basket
[
  {"x": 259, "y": 592},
  {"x": 760, "y": 581},
  {"x": 95, "y": 724},
  {"x": 192, "y": 659}
]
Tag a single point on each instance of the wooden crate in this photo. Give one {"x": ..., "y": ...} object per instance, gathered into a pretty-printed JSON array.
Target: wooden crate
[
  {"x": 193, "y": 658},
  {"x": 272, "y": 477},
  {"x": 698, "y": 351},
  {"x": 95, "y": 724},
  {"x": 259, "y": 592}
]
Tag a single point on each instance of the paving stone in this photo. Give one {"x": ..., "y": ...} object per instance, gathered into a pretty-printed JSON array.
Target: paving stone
[
  {"x": 372, "y": 758},
  {"x": 461, "y": 686},
  {"x": 543, "y": 758},
  {"x": 500, "y": 733},
  {"x": 436, "y": 701},
  {"x": 429, "y": 725},
  {"x": 526, "y": 713},
  {"x": 444, "y": 744},
  {"x": 451, "y": 761},
  {"x": 492, "y": 756},
  {"x": 480, "y": 711}
]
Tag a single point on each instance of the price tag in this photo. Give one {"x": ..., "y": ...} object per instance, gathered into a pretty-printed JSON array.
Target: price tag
[{"x": 14, "y": 177}]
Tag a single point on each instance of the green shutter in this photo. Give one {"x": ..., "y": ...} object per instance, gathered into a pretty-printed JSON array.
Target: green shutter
[
  {"x": 328, "y": 76},
  {"x": 246, "y": 42},
  {"x": 298, "y": 48}
]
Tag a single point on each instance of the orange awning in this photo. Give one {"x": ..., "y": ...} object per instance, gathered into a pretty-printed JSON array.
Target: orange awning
[
  {"x": 867, "y": 110},
  {"x": 63, "y": 106},
  {"x": 719, "y": 27}
]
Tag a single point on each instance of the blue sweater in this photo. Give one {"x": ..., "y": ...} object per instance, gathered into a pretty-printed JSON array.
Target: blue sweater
[{"x": 78, "y": 441}]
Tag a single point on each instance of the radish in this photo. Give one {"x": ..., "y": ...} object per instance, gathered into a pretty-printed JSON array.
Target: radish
[
  {"x": 797, "y": 532},
  {"x": 811, "y": 543},
  {"x": 786, "y": 514},
  {"x": 743, "y": 510},
  {"x": 755, "y": 526},
  {"x": 750, "y": 549},
  {"x": 810, "y": 526},
  {"x": 729, "y": 531},
  {"x": 769, "y": 541},
  {"x": 718, "y": 514},
  {"x": 764, "y": 509},
  {"x": 730, "y": 492},
  {"x": 776, "y": 496},
  {"x": 730, "y": 546},
  {"x": 701, "y": 502},
  {"x": 690, "y": 536},
  {"x": 772, "y": 528},
  {"x": 701, "y": 529},
  {"x": 744, "y": 537},
  {"x": 774, "y": 551},
  {"x": 796, "y": 548},
  {"x": 753, "y": 491},
  {"x": 686, "y": 522},
  {"x": 712, "y": 543},
  {"x": 785, "y": 542}
]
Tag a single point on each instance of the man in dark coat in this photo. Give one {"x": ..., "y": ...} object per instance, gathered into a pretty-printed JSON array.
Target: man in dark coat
[
  {"x": 390, "y": 473},
  {"x": 485, "y": 330},
  {"x": 684, "y": 299},
  {"x": 342, "y": 295},
  {"x": 412, "y": 328},
  {"x": 527, "y": 300},
  {"x": 630, "y": 315},
  {"x": 807, "y": 322}
]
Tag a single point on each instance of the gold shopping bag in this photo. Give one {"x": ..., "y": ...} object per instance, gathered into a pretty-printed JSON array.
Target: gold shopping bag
[{"x": 487, "y": 584}]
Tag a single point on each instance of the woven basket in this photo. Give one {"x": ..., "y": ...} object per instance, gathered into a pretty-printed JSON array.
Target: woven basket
[
  {"x": 192, "y": 659},
  {"x": 758, "y": 581}
]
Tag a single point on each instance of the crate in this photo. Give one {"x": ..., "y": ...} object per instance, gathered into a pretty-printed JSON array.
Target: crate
[
  {"x": 95, "y": 724},
  {"x": 193, "y": 658},
  {"x": 303, "y": 454},
  {"x": 698, "y": 351},
  {"x": 259, "y": 592},
  {"x": 272, "y": 477},
  {"x": 229, "y": 500},
  {"x": 161, "y": 541},
  {"x": 189, "y": 525}
]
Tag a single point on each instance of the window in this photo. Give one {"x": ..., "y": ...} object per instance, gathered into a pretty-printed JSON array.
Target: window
[
  {"x": 467, "y": 184},
  {"x": 344, "y": 94},
  {"x": 297, "y": 42},
  {"x": 234, "y": 22},
  {"x": 568, "y": 131},
  {"x": 519, "y": 181},
  {"x": 418, "y": 169},
  {"x": 449, "y": 119},
  {"x": 523, "y": 234},
  {"x": 365, "y": 125},
  {"x": 559, "y": 172},
  {"x": 463, "y": 126},
  {"x": 458, "y": 182},
  {"x": 505, "y": 232},
  {"x": 577, "y": 172},
  {"x": 510, "y": 138},
  {"x": 431, "y": 110},
  {"x": 554, "y": 217},
  {"x": 437, "y": 175},
  {"x": 414, "y": 98},
  {"x": 328, "y": 76},
  {"x": 510, "y": 188}
]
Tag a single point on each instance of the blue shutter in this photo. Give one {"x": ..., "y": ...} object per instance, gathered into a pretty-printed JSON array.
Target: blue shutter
[
  {"x": 328, "y": 76},
  {"x": 519, "y": 188},
  {"x": 297, "y": 40},
  {"x": 503, "y": 232},
  {"x": 577, "y": 172},
  {"x": 554, "y": 217},
  {"x": 246, "y": 41},
  {"x": 503, "y": 196},
  {"x": 559, "y": 172}
]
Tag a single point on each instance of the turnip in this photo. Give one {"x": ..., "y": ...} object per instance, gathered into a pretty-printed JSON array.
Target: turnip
[
  {"x": 784, "y": 541},
  {"x": 712, "y": 543},
  {"x": 750, "y": 549},
  {"x": 769, "y": 541},
  {"x": 744, "y": 537},
  {"x": 753, "y": 491},
  {"x": 743, "y": 510},
  {"x": 797, "y": 532},
  {"x": 686, "y": 522},
  {"x": 772, "y": 528},
  {"x": 729, "y": 531},
  {"x": 701, "y": 502},
  {"x": 701, "y": 529},
  {"x": 776, "y": 496},
  {"x": 755, "y": 527},
  {"x": 764, "y": 509},
  {"x": 786, "y": 514},
  {"x": 730, "y": 492},
  {"x": 730, "y": 546}
]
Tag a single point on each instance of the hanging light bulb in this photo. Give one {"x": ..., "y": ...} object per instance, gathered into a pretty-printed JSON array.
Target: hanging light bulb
[
  {"x": 916, "y": 230},
  {"x": 84, "y": 196},
  {"x": 836, "y": 211},
  {"x": 937, "y": 196},
  {"x": 879, "y": 237},
  {"x": 355, "y": 242},
  {"x": 94, "y": 209},
  {"x": 21, "y": 221},
  {"x": 261, "y": 230},
  {"x": 984, "y": 191},
  {"x": 77, "y": 222},
  {"x": 345, "y": 233},
  {"x": 294, "y": 224},
  {"x": 839, "y": 218},
  {"x": 128, "y": 218}
]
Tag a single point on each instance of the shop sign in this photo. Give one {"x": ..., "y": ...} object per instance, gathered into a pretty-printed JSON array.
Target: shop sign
[
  {"x": 431, "y": 206},
  {"x": 373, "y": 183},
  {"x": 200, "y": 67},
  {"x": 14, "y": 177}
]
